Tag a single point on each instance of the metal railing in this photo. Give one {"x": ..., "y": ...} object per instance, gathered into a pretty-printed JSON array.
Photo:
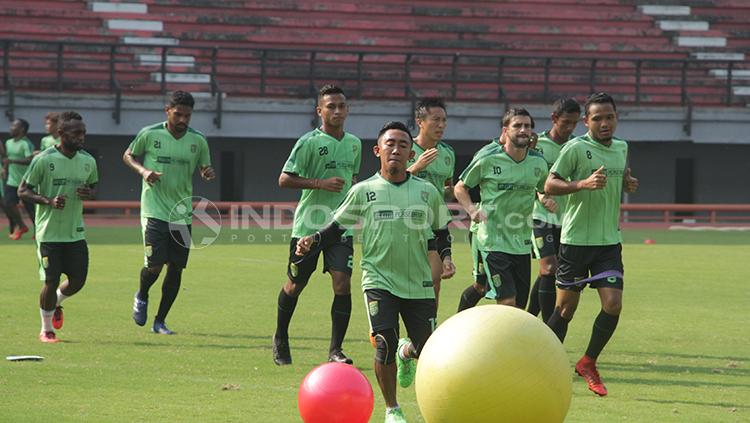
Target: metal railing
[
  {"x": 124, "y": 69},
  {"x": 632, "y": 213}
]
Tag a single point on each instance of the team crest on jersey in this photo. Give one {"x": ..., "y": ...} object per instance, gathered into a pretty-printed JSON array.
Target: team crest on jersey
[
  {"x": 193, "y": 148},
  {"x": 87, "y": 167},
  {"x": 372, "y": 308},
  {"x": 148, "y": 250},
  {"x": 51, "y": 167},
  {"x": 496, "y": 280},
  {"x": 45, "y": 262},
  {"x": 293, "y": 270},
  {"x": 447, "y": 160},
  {"x": 537, "y": 172},
  {"x": 539, "y": 242},
  {"x": 425, "y": 196}
]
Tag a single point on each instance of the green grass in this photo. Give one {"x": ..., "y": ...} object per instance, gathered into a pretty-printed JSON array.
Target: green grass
[{"x": 680, "y": 354}]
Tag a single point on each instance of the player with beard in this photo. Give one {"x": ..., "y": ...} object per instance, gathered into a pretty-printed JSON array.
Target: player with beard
[
  {"x": 57, "y": 181},
  {"x": 508, "y": 183},
  {"x": 171, "y": 152}
]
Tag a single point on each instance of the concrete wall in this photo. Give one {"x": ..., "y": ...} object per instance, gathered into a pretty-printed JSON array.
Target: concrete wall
[
  {"x": 258, "y": 134},
  {"x": 719, "y": 169}
]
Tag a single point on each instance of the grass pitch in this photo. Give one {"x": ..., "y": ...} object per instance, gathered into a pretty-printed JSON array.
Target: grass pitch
[{"x": 681, "y": 352}]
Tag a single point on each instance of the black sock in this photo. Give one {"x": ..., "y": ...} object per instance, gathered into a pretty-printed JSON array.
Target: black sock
[
  {"x": 534, "y": 298},
  {"x": 169, "y": 290},
  {"x": 284, "y": 314},
  {"x": 604, "y": 327},
  {"x": 547, "y": 296},
  {"x": 558, "y": 324},
  {"x": 469, "y": 298},
  {"x": 147, "y": 280},
  {"x": 341, "y": 310}
]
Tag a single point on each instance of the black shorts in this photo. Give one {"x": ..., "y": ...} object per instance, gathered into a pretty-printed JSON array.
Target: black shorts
[
  {"x": 10, "y": 195},
  {"x": 419, "y": 315},
  {"x": 577, "y": 262},
  {"x": 70, "y": 258},
  {"x": 508, "y": 275},
  {"x": 546, "y": 239},
  {"x": 336, "y": 257},
  {"x": 166, "y": 242}
]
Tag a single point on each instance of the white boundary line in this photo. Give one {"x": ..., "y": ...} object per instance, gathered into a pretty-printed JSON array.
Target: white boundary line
[{"x": 710, "y": 228}]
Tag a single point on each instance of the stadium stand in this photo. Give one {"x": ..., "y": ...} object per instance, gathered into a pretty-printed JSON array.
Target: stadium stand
[
  {"x": 527, "y": 50},
  {"x": 713, "y": 30}
]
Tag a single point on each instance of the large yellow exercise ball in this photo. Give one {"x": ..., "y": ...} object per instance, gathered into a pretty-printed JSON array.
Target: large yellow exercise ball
[{"x": 493, "y": 364}]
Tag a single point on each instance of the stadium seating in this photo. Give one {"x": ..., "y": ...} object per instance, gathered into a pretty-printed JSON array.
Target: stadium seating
[{"x": 481, "y": 51}]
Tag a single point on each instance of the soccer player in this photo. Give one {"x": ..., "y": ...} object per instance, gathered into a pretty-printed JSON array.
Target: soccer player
[
  {"x": 171, "y": 151},
  {"x": 592, "y": 171},
  {"x": 19, "y": 150},
  {"x": 434, "y": 161},
  {"x": 471, "y": 295},
  {"x": 3, "y": 174},
  {"x": 50, "y": 124},
  {"x": 508, "y": 178},
  {"x": 57, "y": 181},
  {"x": 324, "y": 164},
  {"x": 400, "y": 215},
  {"x": 547, "y": 211}
]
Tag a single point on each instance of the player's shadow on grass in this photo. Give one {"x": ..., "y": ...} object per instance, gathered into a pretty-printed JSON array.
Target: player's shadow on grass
[
  {"x": 683, "y": 355},
  {"x": 292, "y": 339},
  {"x": 677, "y": 369},
  {"x": 188, "y": 345},
  {"x": 185, "y": 345},
  {"x": 698, "y": 403},
  {"x": 672, "y": 382}
]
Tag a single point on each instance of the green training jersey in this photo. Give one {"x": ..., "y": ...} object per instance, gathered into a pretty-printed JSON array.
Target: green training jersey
[
  {"x": 508, "y": 189},
  {"x": 441, "y": 169},
  {"x": 551, "y": 151},
  {"x": 592, "y": 217},
  {"x": 51, "y": 173},
  {"x": 48, "y": 142},
  {"x": 397, "y": 222},
  {"x": 17, "y": 150},
  {"x": 492, "y": 147},
  {"x": 319, "y": 155},
  {"x": 170, "y": 198}
]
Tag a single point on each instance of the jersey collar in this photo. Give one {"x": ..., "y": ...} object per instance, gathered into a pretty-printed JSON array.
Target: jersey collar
[
  {"x": 164, "y": 125},
  {"x": 57, "y": 150},
  {"x": 23, "y": 138},
  {"x": 327, "y": 135},
  {"x": 398, "y": 184},
  {"x": 591, "y": 140}
]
